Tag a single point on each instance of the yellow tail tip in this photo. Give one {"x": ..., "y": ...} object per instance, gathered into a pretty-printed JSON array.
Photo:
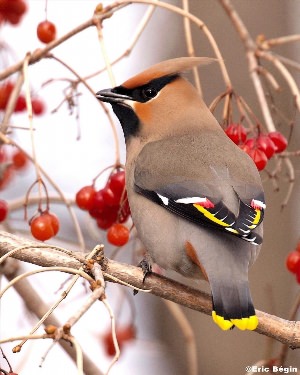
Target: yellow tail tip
[
  {"x": 243, "y": 324},
  {"x": 224, "y": 324}
]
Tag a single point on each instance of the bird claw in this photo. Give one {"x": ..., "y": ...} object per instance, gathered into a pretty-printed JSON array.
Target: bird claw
[{"x": 146, "y": 268}]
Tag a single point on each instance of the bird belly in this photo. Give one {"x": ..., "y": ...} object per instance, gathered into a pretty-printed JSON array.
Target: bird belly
[
  {"x": 164, "y": 239},
  {"x": 166, "y": 235}
]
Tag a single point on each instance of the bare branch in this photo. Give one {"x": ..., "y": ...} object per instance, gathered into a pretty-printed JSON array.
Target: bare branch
[{"x": 287, "y": 332}]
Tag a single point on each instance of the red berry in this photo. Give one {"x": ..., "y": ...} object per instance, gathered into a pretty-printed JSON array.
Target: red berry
[
  {"x": 6, "y": 174},
  {"x": 251, "y": 143},
  {"x": 279, "y": 141},
  {"x": 85, "y": 197},
  {"x": 293, "y": 261},
  {"x": 237, "y": 133},
  {"x": 265, "y": 144},
  {"x": 109, "y": 344},
  {"x": 13, "y": 18},
  {"x": 5, "y": 91},
  {"x": 246, "y": 148},
  {"x": 259, "y": 158},
  {"x": 117, "y": 183},
  {"x": 118, "y": 234},
  {"x": 123, "y": 334},
  {"x": 108, "y": 217},
  {"x": 45, "y": 226},
  {"x": 19, "y": 159},
  {"x": 3, "y": 210},
  {"x": 38, "y": 106},
  {"x": 20, "y": 104},
  {"x": 110, "y": 198},
  {"x": 98, "y": 205},
  {"x": 46, "y": 31}
]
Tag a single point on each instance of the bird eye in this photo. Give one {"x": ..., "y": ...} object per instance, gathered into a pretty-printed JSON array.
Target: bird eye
[{"x": 149, "y": 93}]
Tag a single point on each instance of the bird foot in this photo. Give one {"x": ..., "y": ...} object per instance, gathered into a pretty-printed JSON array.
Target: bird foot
[{"x": 146, "y": 268}]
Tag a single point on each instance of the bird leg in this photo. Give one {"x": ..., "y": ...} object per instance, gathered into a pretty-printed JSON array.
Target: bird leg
[{"x": 146, "y": 268}]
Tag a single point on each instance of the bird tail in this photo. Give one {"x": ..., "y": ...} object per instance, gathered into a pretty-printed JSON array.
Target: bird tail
[
  {"x": 232, "y": 305},
  {"x": 226, "y": 260}
]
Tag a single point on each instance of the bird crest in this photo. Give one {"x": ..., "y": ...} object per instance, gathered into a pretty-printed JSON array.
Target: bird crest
[{"x": 166, "y": 68}]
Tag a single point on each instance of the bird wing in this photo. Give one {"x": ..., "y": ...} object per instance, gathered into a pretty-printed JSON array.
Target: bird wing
[
  {"x": 197, "y": 190},
  {"x": 206, "y": 210}
]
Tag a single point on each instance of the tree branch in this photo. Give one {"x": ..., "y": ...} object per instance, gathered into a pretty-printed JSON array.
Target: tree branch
[
  {"x": 35, "y": 304},
  {"x": 287, "y": 332}
]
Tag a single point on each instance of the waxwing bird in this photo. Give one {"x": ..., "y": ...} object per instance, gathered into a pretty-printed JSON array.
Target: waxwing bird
[{"x": 196, "y": 198}]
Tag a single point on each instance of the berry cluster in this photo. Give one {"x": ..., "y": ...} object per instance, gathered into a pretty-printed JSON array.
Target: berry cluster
[
  {"x": 293, "y": 262},
  {"x": 38, "y": 105},
  {"x": 108, "y": 206},
  {"x": 12, "y": 11},
  {"x": 260, "y": 148},
  {"x": 124, "y": 334}
]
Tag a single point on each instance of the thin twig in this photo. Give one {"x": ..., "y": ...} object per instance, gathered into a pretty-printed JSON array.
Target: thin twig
[
  {"x": 190, "y": 45},
  {"x": 67, "y": 202},
  {"x": 41, "y": 53},
  {"x": 270, "y": 78},
  {"x": 193, "y": 19},
  {"x": 285, "y": 73},
  {"x": 251, "y": 48},
  {"x": 138, "y": 32},
  {"x": 12, "y": 103},
  {"x": 269, "y": 43},
  {"x": 105, "y": 54},
  {"x": 291, "y": 174},
  {"x": 287, "y": 61},
  {"x": 45, "y": 269},
  {"x": 114, "y": 335}
]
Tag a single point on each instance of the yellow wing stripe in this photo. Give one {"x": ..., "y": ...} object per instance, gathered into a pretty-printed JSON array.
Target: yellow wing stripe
[
  {"x": 210, "y": 216},
  {"x": 256, "y": 220},
  {"x": 257, "y": 217}
]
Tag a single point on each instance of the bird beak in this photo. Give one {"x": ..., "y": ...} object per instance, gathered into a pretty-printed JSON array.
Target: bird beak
[{"x": 111, "y": 97}]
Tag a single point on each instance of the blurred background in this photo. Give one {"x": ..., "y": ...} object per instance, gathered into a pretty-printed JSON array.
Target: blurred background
[{"x": 73, "y": 163}]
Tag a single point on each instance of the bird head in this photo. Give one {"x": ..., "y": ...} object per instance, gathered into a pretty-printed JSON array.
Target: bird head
[{"x": 154, "y": 103}]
